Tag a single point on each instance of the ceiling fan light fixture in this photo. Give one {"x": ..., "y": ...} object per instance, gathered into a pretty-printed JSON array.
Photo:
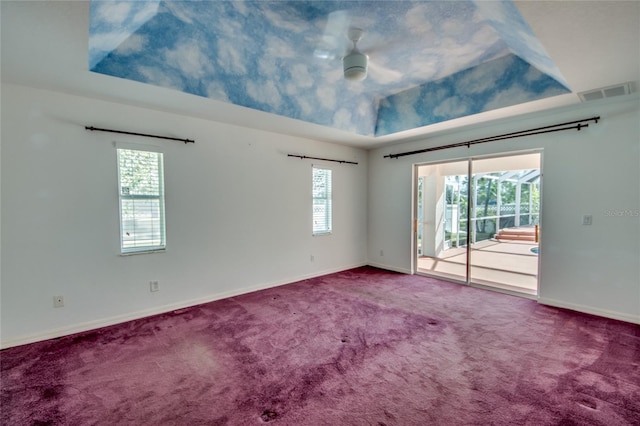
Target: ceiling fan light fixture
[{"x": 355, "y": 66}]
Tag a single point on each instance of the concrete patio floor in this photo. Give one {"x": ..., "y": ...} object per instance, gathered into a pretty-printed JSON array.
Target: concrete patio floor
[{"x": 507, "y": 265}]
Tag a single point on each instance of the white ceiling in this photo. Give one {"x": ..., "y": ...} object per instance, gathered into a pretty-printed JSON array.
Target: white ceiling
[{"x": 45, "y": 44}]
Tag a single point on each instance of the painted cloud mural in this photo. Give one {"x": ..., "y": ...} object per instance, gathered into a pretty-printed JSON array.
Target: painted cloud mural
[{"x": 429, "y": 61}]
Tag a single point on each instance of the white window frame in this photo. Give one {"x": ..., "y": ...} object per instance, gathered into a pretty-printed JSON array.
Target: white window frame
[
  {"x": 318, "y": 199},
  {"x": 160, "y": 234}
]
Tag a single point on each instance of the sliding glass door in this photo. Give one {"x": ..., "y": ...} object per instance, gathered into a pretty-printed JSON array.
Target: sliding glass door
[{"x": 478, "y": 221}]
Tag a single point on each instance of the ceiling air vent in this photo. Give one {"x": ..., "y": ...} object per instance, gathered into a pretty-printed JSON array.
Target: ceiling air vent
[{"x": 606, "y": 92}]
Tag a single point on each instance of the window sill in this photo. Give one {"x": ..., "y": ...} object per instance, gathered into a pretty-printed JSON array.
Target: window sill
[
  {"x": 323, "y": 234},
  {"x": 133, "y": 253}
]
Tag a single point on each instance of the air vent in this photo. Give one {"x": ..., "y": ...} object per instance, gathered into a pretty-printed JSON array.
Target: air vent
[
  {"x": 607, "y": 92},
  {"x": 592, "y": 96},
  {"x": 616, "y": 91}
]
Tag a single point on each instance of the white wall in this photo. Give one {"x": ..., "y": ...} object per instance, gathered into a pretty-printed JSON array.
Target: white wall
[
  {"x": 595, "y": 171},
  {"x": 226, "y": 235},
  {"x": 238, "y": 213}
]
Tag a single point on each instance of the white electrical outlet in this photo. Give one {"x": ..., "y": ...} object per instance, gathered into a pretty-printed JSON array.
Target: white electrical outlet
[
  {"x": 311, "y": 258},
  {"x": 58, "y": 301},
  {"x": 587, "y": 219},
  {"x": 154, "y": 286},
  {"x": 381, "y": 252}
]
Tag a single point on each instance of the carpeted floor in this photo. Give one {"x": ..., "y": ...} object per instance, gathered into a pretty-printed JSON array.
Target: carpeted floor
[{"x": 360, "y": 347}]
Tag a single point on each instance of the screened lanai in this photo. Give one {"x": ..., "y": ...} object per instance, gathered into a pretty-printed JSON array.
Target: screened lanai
[{"x": 501, "y": 201}]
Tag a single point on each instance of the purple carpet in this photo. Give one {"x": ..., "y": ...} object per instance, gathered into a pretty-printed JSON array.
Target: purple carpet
[{"x": 361, "y": 347}]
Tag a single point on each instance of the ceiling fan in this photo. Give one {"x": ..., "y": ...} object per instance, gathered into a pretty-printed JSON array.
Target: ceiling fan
[
  {"x": 339, "y": 29},
  {"x": 355, "y": 62}
]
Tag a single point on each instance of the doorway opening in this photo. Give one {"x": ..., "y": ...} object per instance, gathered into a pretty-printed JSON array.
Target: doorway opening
[{"x": 478, "y": 221}]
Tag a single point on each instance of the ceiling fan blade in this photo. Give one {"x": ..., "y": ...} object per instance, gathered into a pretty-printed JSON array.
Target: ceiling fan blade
[
  {"x": 383, "y": 75},
  {"x": 378, "y": 46},
  {"x": 334, "y": 42}
]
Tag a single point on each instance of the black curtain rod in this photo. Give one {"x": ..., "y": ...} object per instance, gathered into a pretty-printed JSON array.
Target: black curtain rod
[
  {"x": 323, "y": 159},
  {"x": 577, "y": 125},
  {"x": 97, "y": 129},
  {"x": 492, "y": 139}
]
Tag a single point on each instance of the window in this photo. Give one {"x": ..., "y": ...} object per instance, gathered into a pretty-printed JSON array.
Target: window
[
  {"x": 321, "y": 201},
  {"x": 141, "y": 188}
]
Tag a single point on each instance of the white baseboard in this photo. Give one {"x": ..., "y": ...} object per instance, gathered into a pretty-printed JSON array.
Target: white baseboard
[
  {"x": 635, "y": 319},
  {"x": 118, "y": 319},
  {"x": 390, "y": 268}
]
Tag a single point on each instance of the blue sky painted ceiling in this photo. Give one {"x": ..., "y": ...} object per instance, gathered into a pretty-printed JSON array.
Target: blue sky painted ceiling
[{"x": 429, "y": 61}]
